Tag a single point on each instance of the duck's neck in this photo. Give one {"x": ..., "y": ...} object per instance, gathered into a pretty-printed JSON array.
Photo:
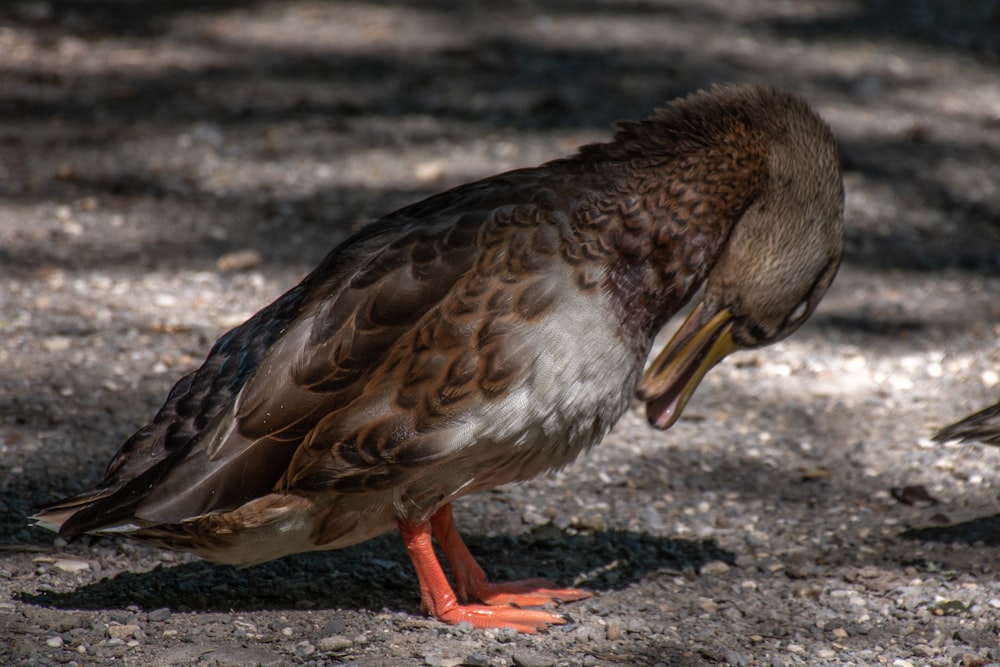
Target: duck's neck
[{"x": 673, "y": 222}]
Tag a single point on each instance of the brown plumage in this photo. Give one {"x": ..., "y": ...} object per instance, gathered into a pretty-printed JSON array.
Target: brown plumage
[
  {"x": 484, "y": 336},
  {"x": 982, "y": 426}
]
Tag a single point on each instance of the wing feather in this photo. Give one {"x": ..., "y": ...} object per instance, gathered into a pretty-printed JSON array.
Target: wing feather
[
  {"x": 983, "y": 426},
  {"x": 285, "y": 388}
]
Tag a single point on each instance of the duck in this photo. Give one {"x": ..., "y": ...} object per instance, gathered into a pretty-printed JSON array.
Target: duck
[
  {"x": 485, "y": 336},
  {"x": 982, "y": 426}
]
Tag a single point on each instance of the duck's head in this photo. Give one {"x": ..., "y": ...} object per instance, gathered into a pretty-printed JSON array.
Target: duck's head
[{"x": 778, "y": 262}]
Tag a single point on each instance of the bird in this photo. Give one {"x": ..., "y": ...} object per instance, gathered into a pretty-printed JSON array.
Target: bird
[
  {"x": 484, "y": 336},
  {"x": 982, "y": 426}
]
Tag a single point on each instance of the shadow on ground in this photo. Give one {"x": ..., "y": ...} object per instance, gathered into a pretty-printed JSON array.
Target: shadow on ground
[
  {"x": 981, "y": 531},
  {"x": 347, "y": 578}
]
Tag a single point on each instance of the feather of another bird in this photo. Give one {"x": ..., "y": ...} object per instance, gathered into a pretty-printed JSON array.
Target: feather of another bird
[{"x": 982, "y": 426}]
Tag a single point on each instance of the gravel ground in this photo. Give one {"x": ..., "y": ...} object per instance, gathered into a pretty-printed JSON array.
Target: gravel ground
[{"x": 166, "y": 169}]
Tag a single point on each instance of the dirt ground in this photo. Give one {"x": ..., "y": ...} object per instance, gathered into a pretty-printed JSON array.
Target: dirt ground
[{"x": 166, "y": 169}]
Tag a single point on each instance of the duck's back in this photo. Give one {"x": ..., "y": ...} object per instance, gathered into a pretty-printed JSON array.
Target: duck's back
[{"x": 404, "y": 347}]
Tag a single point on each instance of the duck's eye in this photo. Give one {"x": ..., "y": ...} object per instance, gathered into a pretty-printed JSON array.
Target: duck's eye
[{"x": 799, "y": 312}]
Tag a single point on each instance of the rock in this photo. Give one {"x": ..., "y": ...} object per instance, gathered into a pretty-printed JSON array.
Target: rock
[
  {"x": 335, "y": 626},
  {"x": 715, "y": 568},
  {"x": 71, "y": 565},
  {"x": 637, "y": 626},
  {"x": 239, "y": 260},
  {"x": 428, "y": 171},
  {"x": 737, "y": 659},
  {"x": 54, "y": 642},
  {"x": 652, "y": 520},
  {"x": 334, "y": 643},
  {"x": 158, "y": 615},
  {"x": 304, "y": 649},
  {"x": 56, "y": 344},
  {"x": 708, "y": 605},
  {"x": 532, "y": 659},
  {"x": 120, "y": 631},
  {"x": 477, "y": 659},
  {"x": 219, "y": 656}
]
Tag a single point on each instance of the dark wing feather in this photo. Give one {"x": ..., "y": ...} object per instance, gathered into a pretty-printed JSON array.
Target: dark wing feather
[{"x": 983, "y": 426}]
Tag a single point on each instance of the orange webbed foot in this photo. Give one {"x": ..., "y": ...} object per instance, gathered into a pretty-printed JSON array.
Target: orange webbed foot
[
  {"x": 502, "y": 603},
  {"x": 525, "y": 593},
  {"x": 471, "y": 582},
  {"x": 528, "y": 621}
]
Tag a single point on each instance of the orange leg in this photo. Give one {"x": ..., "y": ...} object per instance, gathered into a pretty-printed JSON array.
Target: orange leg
[
  {"x": 438, "y": 599},
  {"x": 470, "y": 580}
]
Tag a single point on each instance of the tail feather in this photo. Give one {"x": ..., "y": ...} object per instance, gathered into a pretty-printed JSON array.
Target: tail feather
[
  {"x": 58, "y": 517},
  {"x": 983, "y": 426}
]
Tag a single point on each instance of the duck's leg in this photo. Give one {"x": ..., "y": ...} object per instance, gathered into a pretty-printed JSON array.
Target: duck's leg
[
  {"x": 438, "y": 599},
  {"x": 471, "y": 582}
]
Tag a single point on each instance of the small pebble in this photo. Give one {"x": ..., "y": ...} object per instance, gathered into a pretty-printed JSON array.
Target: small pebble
[
  {"x": 707, "y": 604},
  {"x": 532, "y": 659},
  {"x": 122, "y": 632},
  {"x": 428, "y": 171},
  {"x": 462, "y": 628},
  {"x": 476, "y": 659},
  {"x": 304, "y": 649},
  {"x": 54, "y": 642},
  {"x": 71, "y": 565},
  {"x": 715, "y": 568},
  {"x": 157, "y": 615},
  {"x": 506, "y": 635},
  {"x": 56, "y": 344},
  {"x": 334, "y": 643},
  {"x": 240, "y": 260},
  {"x": 737, "y": 659},
  {"x": 335, "y": 626}
]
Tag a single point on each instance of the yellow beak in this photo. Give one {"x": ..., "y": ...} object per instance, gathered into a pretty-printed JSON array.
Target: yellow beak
[{"x": 671, "y": 379}]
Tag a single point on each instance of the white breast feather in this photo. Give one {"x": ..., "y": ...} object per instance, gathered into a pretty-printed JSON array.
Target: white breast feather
[{"x": 582, "y": 383}]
